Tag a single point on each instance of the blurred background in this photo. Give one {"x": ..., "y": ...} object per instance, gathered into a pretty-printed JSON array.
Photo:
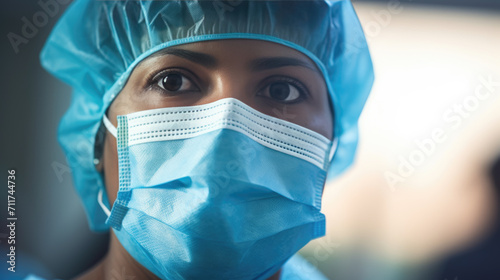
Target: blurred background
[{"x": 421, "y": 202}]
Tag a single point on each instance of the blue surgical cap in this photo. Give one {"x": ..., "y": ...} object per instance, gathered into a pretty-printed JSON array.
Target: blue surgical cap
[{"x": 96, "y": 44}]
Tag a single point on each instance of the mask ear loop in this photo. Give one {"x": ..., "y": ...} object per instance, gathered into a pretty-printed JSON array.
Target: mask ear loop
[
  {"x": 109, "y": 126},
  {"x": 104, "y": 208},
  {"x": 333, "y": 149},
  {"x": 111, "y": 130}
]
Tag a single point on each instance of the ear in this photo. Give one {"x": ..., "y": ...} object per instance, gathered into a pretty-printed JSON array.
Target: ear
[
  {"x": 99, "y": 148},
  {"x": 98, "y": 164}
]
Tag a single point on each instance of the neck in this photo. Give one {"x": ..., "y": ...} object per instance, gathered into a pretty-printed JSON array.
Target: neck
[{"x": 119, "y": 264}]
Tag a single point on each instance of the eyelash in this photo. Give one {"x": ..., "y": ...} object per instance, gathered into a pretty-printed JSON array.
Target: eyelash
[
  {"x": 304, "y": 93},
  {"x": 154, "y": 78}
]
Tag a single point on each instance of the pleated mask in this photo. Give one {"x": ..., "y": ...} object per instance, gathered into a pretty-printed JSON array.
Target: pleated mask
[{"x": 216, "y": 191}]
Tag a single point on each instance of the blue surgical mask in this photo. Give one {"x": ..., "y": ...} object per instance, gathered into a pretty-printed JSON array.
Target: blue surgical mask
[{"x": 216, "y": 191}]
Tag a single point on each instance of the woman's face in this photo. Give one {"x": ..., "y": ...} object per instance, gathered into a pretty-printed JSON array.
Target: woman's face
[{"x": 271, "y": 78}]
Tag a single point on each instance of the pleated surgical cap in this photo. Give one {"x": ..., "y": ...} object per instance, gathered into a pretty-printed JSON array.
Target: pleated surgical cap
[{"x": 96, "y": 44}]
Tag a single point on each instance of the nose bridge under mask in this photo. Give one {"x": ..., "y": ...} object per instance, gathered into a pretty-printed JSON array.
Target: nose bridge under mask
[
  {"x": 173, "y": 123},
  {"x": 333, "y": 145}
]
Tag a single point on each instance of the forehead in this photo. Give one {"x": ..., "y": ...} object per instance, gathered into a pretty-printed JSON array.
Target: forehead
[
  {"x": 238, "y": 46},
  {"x": 238, "y": 50}
]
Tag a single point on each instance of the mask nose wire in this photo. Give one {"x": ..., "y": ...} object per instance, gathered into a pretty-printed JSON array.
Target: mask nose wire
[
  {"x": 109, "y": 126},
  {"x": 104, "y": 208}
]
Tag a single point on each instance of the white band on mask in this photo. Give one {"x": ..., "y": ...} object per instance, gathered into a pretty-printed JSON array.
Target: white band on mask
[
  {"x": 175, "y": 123},
  {"x": 104, "y": 208},
  {"x": 111, "y": 128},
  {"x": 333, "y": 149}
]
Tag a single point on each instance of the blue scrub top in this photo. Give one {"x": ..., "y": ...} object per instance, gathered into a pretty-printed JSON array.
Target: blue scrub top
[{"x": 296, "y": 268}]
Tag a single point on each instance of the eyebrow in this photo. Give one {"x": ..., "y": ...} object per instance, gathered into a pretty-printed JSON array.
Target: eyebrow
[
  {"x": 267, "y": 63},
  {"x": 260, "y": 64}
]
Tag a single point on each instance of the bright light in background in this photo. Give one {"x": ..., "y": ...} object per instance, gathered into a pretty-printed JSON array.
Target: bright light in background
[{"x": 428, "y": 60}]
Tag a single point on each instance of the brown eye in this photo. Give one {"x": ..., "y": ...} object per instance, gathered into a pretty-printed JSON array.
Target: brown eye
[
  {"x": 174, "y": 82},
  {"x": 283, "y": 91}
]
